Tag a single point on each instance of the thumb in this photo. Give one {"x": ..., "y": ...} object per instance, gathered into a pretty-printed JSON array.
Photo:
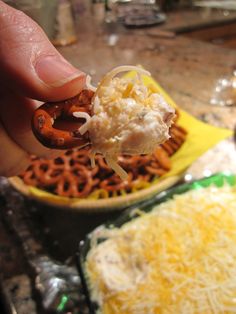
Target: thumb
[{"x": 30, "y": 64}]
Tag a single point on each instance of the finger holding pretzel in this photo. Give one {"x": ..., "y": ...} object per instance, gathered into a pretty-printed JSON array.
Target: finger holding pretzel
[
  {"x": 33, "y": 73},
  {"x": 46, "y": 116}
]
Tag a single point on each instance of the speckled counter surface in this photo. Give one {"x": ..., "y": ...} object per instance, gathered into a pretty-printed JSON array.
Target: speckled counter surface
[
  {"x": 187, "y": 69},
  {"x": 198, "y": 18}
]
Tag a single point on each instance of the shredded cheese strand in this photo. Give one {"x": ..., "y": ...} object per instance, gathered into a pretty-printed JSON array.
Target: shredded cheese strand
[
  {"x": 113, "y": 164},
  {"x": 89, "y": 85},
  {"x": 79, "y": 114},
  {"x": 123, "y": 68}
]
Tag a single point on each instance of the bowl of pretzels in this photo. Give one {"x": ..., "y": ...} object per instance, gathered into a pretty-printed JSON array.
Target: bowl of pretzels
[
  {"x": 70, "y": 181},
  {"x": 86, "y": 177}
]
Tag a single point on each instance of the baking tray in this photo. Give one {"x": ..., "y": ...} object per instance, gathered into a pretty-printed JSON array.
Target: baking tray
[{"x": 219, "y": 180}]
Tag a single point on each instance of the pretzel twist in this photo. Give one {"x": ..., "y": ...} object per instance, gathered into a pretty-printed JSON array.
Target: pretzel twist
[
  {"x": 77, "y": 185},
  {"x": 45, "y": 116}
]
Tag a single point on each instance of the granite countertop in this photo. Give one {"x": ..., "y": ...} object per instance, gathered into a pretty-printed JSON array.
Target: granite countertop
[
  {"x": 187, "y": 69},
  {"x": 198, "y": 18}
]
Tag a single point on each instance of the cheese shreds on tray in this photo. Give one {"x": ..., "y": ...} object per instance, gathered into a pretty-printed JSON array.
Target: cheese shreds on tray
[{"x": 179, "y": 258}]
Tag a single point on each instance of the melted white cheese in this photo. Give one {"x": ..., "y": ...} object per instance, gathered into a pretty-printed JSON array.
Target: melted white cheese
[{"x": 128, "y": 118}]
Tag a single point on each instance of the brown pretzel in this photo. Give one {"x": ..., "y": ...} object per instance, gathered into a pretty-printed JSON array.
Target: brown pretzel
[
  {"x": 29, "y": 176},
  {"x": 133, "y": 162},
  {"x": 115, "y": 184},
  {"x": 102, "y": 164},
  {"x": 155, "y": 169},
  {"x": 45, "y": 118},
  {"x": 81, "y": 156},
  {"x": 78, "y": 185},
  {"x": 161, "y": 157}
]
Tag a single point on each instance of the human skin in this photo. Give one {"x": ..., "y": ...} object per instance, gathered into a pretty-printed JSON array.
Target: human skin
[{"x": 31, "y": 72}]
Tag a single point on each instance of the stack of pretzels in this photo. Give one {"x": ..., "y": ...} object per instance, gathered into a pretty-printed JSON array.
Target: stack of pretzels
[{"x": 71, "y": 175}]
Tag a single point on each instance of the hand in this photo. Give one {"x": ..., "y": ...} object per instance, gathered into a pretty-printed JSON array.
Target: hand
[{"x": 31, "y": 70}]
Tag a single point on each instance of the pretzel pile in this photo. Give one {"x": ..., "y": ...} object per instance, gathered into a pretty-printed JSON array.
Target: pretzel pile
[{"x": 71, "y": 175}]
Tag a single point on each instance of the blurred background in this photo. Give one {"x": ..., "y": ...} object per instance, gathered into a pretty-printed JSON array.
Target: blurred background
[
  {"x": 210, "y": 21},
  {"x": 189, "y": 47}
]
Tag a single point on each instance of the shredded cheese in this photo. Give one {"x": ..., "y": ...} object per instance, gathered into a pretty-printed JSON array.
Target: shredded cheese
[
  {"x": 180, "y": 258},
  {"x": 89, "y": 85},
  {"x": 84, "y": 115}
]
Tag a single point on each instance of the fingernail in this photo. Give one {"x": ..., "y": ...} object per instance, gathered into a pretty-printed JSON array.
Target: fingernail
[{"x": 55, "y": 71}]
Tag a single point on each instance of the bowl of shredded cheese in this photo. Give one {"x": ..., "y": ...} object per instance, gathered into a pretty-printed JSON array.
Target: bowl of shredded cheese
[{"x": 174, "y": 255}]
